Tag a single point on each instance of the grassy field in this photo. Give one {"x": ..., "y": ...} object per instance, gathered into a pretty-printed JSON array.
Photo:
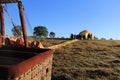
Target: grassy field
[
  {"x": 47, "y": 42},
  {"x": 87, "y": 60}
]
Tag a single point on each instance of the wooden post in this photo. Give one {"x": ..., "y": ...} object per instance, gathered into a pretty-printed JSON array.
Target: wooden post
[
  {"x": 21, "y": 12},
  {"x": 2, "y": 24}
]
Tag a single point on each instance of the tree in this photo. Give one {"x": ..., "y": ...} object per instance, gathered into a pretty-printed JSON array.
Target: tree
[
  {"x": 77, "y": 36},
  {"x": 71, "y": 36},
  {"x": 103, "y": 39},
  {"x": 74, "y": 36},
  {"x": 96, "y": 38},
  {"x": 111, "y": 38},
  {"x": 17, "y": 31},
  {"x": 40, "y": 31},
  {"x": 52, "y": 35}
]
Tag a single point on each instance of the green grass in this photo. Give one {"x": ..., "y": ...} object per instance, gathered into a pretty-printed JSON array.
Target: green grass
[{"x": 87, "y": 60}]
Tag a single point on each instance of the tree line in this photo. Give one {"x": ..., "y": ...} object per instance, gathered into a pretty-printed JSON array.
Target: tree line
[{"x": 41, "y": 31}]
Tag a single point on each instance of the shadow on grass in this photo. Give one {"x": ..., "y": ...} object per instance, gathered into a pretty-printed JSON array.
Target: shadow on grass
[{"x": 62, "y": 77}]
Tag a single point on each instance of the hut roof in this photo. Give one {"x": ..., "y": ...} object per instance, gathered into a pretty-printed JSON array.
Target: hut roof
[{"x": 85, "y": 31}]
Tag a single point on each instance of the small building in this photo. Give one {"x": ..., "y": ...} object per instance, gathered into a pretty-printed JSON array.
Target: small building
[{"x": 86, "y": 35}]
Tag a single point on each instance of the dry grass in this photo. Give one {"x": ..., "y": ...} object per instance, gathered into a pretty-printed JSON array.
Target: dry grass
[
  {"x": 87, "y": 60},
  {"x": 47, "y": 42}
]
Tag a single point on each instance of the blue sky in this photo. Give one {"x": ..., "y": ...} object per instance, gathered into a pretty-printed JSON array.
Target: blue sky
[{"x": 102, "y": 17}]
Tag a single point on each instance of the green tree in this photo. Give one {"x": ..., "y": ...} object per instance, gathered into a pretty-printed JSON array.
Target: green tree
[
  {"x": 111, "y": 38},
  {"x": 52, "y": 34},
  {"x": 71, "y": 36},
  {"x": 40, "y": 31},
  {"x": 17, "y": 31},
  {"x": 96, "y": 38},
  {"x": 103, "y": 39}
]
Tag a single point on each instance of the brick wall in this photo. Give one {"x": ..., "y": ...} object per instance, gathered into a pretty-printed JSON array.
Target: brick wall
[
  {"x": 41, "y": 71},
  {"x": 37, "y": 64}
]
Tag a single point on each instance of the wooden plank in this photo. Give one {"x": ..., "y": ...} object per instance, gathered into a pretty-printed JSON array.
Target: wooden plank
[{"x": 8, "y": 1}]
